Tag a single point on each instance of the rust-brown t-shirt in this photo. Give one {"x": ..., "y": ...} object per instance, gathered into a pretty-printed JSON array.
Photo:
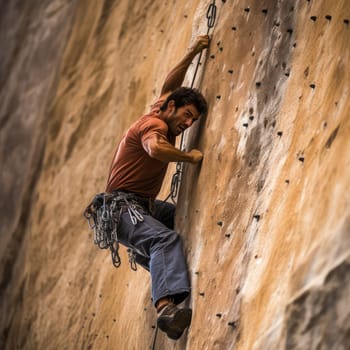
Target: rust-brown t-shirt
[{"x": 132, "y": 168}]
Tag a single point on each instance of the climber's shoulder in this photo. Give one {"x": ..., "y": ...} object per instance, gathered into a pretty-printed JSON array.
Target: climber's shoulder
[{"x": 165, "y": 95}]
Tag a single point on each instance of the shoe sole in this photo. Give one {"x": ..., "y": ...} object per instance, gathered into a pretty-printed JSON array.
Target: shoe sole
[{"x": 176, "y": 326}]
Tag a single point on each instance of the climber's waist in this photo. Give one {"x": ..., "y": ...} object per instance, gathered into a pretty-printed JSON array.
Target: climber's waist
[{"x": 146, "y": 202}]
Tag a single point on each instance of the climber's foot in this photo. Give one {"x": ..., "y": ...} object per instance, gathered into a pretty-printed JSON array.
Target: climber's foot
[{"x": 173, "y": 321}]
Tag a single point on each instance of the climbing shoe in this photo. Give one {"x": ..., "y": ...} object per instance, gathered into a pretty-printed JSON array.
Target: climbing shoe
[{"x": 173, "y": 321}]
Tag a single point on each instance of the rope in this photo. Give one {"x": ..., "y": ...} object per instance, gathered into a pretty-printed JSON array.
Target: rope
[
  {"x": 177, "y": 176},
  {"x": 155, "y": 338}
]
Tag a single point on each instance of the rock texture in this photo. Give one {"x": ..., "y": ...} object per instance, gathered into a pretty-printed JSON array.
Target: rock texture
[{"x": 265, "y": 218}]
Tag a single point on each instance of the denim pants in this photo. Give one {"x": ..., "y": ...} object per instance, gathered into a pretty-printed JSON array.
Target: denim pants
[{"x": 158, "y": 249}]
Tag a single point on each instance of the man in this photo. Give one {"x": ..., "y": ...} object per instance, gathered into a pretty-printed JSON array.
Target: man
[{"x": 138, "y": 169}]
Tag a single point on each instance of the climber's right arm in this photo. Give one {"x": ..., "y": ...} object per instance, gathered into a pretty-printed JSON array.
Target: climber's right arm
[{"x": 159, "y": 148}]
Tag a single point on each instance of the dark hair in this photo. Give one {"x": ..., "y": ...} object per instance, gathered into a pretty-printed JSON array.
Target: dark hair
[{"x": 184, "y": 96}]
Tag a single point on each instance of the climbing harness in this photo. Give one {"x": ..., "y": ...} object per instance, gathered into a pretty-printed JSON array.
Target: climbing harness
[
  {"x": 177, "y": 176},
  {"x": 103, "y": 215}
]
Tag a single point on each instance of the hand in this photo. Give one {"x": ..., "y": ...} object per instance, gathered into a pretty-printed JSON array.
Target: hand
[
  {"x": 196, "y": 156},
  {"x": 202, "y": 42}
]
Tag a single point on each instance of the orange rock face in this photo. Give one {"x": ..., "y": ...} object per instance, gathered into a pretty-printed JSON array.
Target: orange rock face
[{"x": 265, "y": 218}]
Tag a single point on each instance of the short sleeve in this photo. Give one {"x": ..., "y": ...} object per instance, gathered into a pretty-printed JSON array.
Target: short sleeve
[
  {"x": 153, "y": 126},
  {"x": 155, "y": 108}
]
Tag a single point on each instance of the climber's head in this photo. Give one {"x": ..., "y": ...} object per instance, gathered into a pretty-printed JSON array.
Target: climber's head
[{"x": 182, "y": 108}]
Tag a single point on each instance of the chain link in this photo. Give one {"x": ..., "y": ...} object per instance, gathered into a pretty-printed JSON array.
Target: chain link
[{"x": 211, "y": 15}]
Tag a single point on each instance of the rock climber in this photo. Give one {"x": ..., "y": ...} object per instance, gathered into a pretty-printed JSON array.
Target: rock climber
[{"x": 137, "y": 171}]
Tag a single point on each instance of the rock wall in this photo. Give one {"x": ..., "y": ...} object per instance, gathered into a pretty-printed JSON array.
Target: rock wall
[{"x": 265, "y": 218}]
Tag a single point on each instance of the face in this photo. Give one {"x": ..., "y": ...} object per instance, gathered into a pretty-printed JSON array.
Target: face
[{"x": 182, "y": 118}]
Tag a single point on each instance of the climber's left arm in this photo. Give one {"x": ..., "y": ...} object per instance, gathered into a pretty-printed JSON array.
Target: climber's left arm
[{"x": 177, "y": 74}]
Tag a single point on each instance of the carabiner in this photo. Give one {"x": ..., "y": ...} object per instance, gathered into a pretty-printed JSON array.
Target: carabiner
[
  {"x": 132, "y": 217},
  {"x": 136, "y": 213}
]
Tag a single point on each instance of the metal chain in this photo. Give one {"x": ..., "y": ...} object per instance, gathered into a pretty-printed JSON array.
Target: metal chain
[{"x": 177, "y": 176}]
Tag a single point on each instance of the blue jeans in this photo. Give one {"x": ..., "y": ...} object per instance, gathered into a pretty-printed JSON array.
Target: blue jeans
[{"x": 158, "y": 249}]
